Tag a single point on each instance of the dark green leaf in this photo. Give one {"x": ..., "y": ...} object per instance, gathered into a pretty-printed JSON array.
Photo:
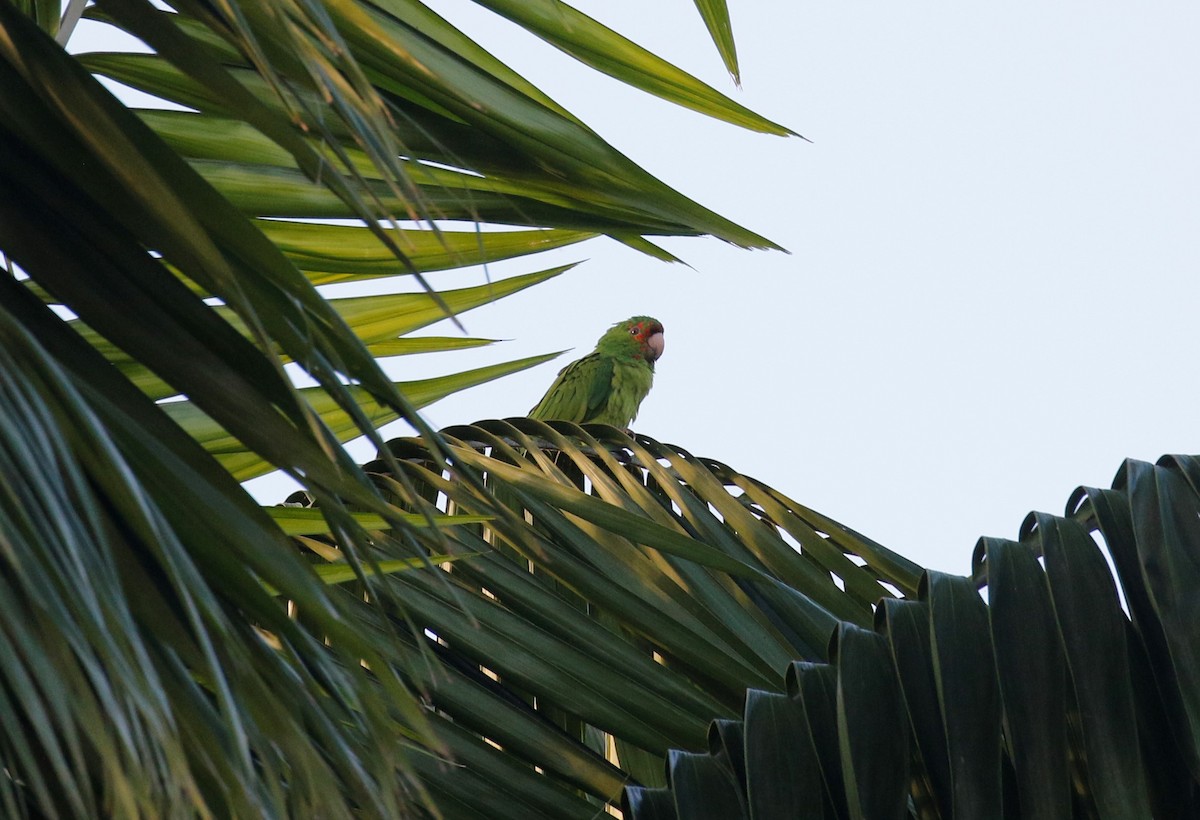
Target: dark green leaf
[
  {"x": 1033, "y": 677},
  {"x": 1091, "y": 624},
  {"x": 908, "y": 630},
  {"x": 727, "y": 744},
  {"x": 704, "y": 788},
  {"x": 1164, "y": 505},
  {"x": 494, "y": 784},
  {"x": 648, "y": 804},
  {"x": 783, "y": 776},
  {"x": 815, "y": 686},
  {"x": 1111, "y": 511},
  {"x": 174, "y": 592},
  {"x": 963, "y": 662},
  {"x": 872, "y": 730}
]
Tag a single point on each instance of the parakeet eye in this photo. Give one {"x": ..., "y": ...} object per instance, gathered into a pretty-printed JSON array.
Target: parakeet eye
[{"x": 633, "y": 331}]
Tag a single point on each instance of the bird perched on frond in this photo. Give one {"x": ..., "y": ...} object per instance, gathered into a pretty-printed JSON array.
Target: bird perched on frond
[{"x": 607, "y": 385}]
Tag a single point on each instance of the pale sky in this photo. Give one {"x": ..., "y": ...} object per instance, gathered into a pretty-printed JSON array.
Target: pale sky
[{"x": 994, "y": 237}]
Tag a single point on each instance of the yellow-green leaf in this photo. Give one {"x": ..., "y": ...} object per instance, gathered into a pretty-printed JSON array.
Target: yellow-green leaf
[{"x": 310, "y": 521}]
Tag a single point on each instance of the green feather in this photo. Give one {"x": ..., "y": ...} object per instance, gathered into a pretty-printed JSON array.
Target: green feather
[{"x": 606, "y": 386}]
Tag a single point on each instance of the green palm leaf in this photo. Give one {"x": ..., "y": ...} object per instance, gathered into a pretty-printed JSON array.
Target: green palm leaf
[
  {"x": 1050, "y": 699},
  {"x": 625, "y": 589},
  {"x": 137, "y": 574},
  {"x": 512, "y": 619},
  {"x": 602, "y": 48},
  {"x": 378, "y": 321},
  {"x": 716, "y": 18},
  {"x": 244, "y": 463}
]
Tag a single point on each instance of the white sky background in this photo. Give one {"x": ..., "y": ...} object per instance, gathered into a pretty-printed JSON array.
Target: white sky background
[{"x": 994, "y": 238}]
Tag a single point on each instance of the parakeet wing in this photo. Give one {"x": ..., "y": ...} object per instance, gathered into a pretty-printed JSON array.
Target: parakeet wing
[{"x": 581, "y": 388}]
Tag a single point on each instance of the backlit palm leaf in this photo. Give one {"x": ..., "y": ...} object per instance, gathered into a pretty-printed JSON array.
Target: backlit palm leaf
[{"x": 150, "y": 665}]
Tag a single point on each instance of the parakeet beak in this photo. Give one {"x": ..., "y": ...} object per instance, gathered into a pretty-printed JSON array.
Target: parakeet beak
[{"x": 655, "y": 344}]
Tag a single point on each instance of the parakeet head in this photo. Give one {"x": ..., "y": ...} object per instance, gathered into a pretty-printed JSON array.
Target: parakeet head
[{"x": 640, "y": 337}]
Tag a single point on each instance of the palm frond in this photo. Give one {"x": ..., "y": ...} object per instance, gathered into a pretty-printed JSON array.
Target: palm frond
[
  {"x": 1058, "y": 696},
  {"x": 602, "y": 48},
  {"x": 169, "y": 650},
  {"x": 716, "y": 18},
  {"x": 136, "y": 676},
  {"x": 625, "y": 592}
]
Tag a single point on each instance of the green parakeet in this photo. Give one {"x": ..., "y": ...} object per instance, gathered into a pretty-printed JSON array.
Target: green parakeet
[{"x": 607, "y": 385}]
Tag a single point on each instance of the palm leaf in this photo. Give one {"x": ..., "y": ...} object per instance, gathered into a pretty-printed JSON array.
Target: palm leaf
[
  {"x": 624, "y": 589},
  {"x": 175, "y": 332},
  {"x": 304, "y": 521},
  {"x": 603, "y": 49},
  {"x": 244, "y": 463},
  {"x": 1050, "y": 699},
  {"x": 144, "y": 673},
  {"x": 716, "y": 18},
  {"x": 439, "y": 91},
  {"x": 377, "y": 321},
  {"x": 138, "y": 574}
]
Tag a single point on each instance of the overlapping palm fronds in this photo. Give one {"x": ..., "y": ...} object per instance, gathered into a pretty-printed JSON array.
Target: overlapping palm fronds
[
  {"x": 1058, "y": 697},
  {"x": 622, "y": 595},
  {"x": 511, "y": 619},
  {"x": 150, "y": 665}
]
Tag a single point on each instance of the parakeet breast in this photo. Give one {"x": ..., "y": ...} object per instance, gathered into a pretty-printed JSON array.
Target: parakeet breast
[
  {"x": 607, "y": 385},
  {"x": 631, "y": 382}
]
